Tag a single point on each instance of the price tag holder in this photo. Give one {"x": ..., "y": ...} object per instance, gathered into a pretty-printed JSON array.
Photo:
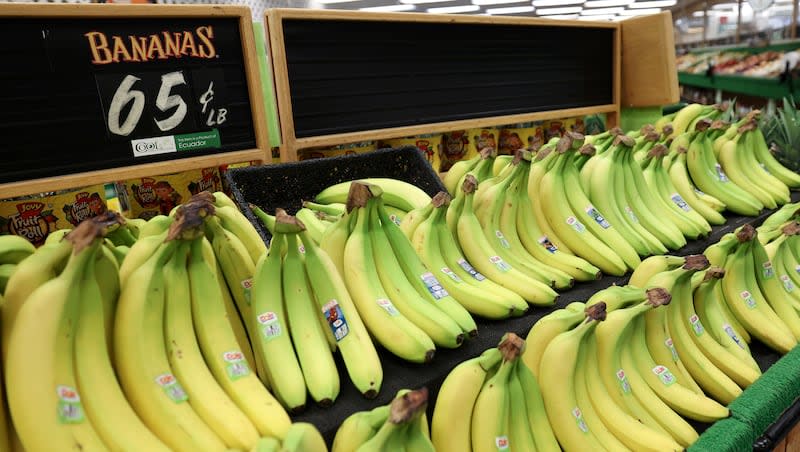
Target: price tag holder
[{"x": 94, "y": 93}]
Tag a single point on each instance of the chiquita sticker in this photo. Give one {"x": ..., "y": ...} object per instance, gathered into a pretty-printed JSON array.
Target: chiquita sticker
[
  {"x": 678, "y": 200},
  {"x": 597, "y": 217},
  {"x": 434, "y": 286},
  {"x": 335, "y": 317},
  {"x": 547, "y": 244},
  {"x": 471, "y": 270},
  {"x": 501, "y": 442}
]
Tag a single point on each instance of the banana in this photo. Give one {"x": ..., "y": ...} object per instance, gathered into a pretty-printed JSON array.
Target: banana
[
  {"x": 684, "y": 117},
  {"x": 7, "y": 433},
  {"x": 397, "y": 193},
  {"x": 314, "y": 226},
  {"x": 537, "y": 170},
  {"x": 13, "y": 249},
  {"x": 144, "y": 248},
  {"x": 269, "y": 329},
  {"x": 392, "y": 329},
  {"x": 101, "y": 395},
  {"x": 765, "y": 157},
  {"x": 682, "y": 323},
  {"x": 533, "y": 237},
  {"x": 303, "y": 437},
  {"x": 221, "y": 349},
  {"x": 42, "y": 266},
  {"x": 335, "y": 238},
  {"x": 452, "y": 416},
  {"x": 708, "y": 304},
  {"x": 56, "y": 236},
  {"x": 481, "y": 172},
  {"x": 779, "y": 217},
  {"x": 393, "y": 435},
  {"x": 426, "y": 283},
  {"x": 266, "y": 219},
  {"x": 743, "y": 298},
  {"x": 557, "y": 374},
  {"x": 632, "y": 433},
  {"x": 308, "y": 336},
  {"x": 484, "y": 257},
  {"x": 41, "y": 355},
  {"x": 220, "y": 199},
  {"x": 570, "y": 226},
  {"x": 643, "y": 203},
  {"x": 418, "y": 437},
  {"x": 414, "y": 218},
  {"x": 235, "y": 222},
  {"x": 267, "y": 444},
  {"x": 653, "y": 265},
  {"x": 206, "y": 396},
  {"x": 730, "y": 155},
  {"x": 155, "y": 226},
  {"x": 6, "y": 270},
  {"x": 452, "y": 178},
  {"x": 520, "y": 433},
  {"x": 718, "y": 253},
  {"x": 336, "y": 209},
  {"x": 772, "y": 291},
  {"x": 759, "y": 172},
  {"x": 142, "y": 363},
  {"x": 543, "y": 331},
  {"x": 468, "y": 291},
  {"x": 352, "y": 339},
  {"x": 538, "y": 424},
  {"x": 679, "y": 175},
  {"x": 422, "y": 312},
  {"x": 360, "y": 427},
  {"x": 490, "y": 429}
]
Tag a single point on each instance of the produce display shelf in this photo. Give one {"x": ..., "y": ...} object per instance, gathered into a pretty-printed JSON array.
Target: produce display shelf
[
  {"x": 769, "y": 88},
  {"x": 286, "y": 185}
]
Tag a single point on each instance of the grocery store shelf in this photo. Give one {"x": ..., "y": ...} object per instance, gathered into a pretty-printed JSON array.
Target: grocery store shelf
[{"x": 769, "y": 88}]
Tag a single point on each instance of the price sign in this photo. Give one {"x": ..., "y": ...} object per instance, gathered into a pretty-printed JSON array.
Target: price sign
[{"x": 94, "y": 89}]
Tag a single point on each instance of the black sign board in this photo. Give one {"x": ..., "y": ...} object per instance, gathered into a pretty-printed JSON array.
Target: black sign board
[
  {"x": 357, "y": 75},
  {"x": 79, "y": 94}
]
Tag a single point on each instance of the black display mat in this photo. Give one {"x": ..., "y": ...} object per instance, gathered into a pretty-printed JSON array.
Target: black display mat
[
  {"x": 285, "y": 185},
  {"x": 170, "y": 76},
  {"x": 357, "y": 75}
]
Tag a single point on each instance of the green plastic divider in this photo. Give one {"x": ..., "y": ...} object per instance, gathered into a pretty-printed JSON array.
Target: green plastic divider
[
  {"x": 698, "y": 80},
  {"x": 726, "y": 435},
  {"x": 267, "y": 86},
  {"x": 634, "y": 118},
  {"x": 763, "y": 402},
  {"x": 769, "y": 88},
  {"x": 792, "y": 45}
]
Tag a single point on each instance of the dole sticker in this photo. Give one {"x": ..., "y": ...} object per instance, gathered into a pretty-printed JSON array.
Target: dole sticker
[
  {"x": 767, "y": 270},
  {"x": 434, "y": 286},
  {"x": 336, "y": 320},
  {"x": 631, "y": 214},
  {"x": 470, "y": 269},
  {"x": 70, "y": 409},
  {"x": 671, "y": 348},
  {"x": 172, "y": 388},
  {"x": 236, "y": 366},
  {"x": 270, "y": 325},
  {"x": 623, "y": 381},
  {"x": 697, "y": 325},
  {"x": 578, "y": 415},
  {"x": 502, "y": 239},
  {"x": 748, "y": 299},
  {"x": 787, "y": 283},
  {"x": 387, "y": 306},
  {"x": 664, "y": 375},
  {"x": 447, "y": 271},
  {"x": 395, "y": 219},
  {"x": 576, "y": 225},
  {"x": 247, "y": 285},
  {"x": 500, "y": 263},
  {"x": 721, "y": 173}
]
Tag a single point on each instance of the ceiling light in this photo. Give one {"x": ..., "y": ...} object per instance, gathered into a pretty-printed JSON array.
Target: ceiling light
[
  {"x": 640, "y": 12},
  {"x": 561, "y": 16},
  {"x": 653, "y": 4},
  {"x": 606, "y": 3},
  {"x": 601, "y": 11},
  {"x": 496, "y": 2},
  {"x": 455, "y": 9},
  {"x": 330, "y": 2},
  {"x": 545, "y": 3},
  {"x": 510, "y": 10},
  {"x": 551, "y": 11},
  {"x": 598, "y": 17},
  {"x": 418, "y": 2},
  {"x": 783, "y": 1},
  {"x": 725, "y": 6},
  {"x": 390, "y": 8}
]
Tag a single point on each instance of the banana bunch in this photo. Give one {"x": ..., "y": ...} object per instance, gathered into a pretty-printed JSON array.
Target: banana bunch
[
  {"x": 492, "y": 402},
  {"x": 402, "y": 425},
  {"x": 13, "y": 249},
  {"x": 401, "y": 196}
]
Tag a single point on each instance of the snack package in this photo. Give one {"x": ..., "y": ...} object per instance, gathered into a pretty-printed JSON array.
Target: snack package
[
  {"x": 426, "y": 144},
  {"x": 452, "y": 147},
  {"x": 485, "y": 137},
  {"x": 35, "y": 217},
  {"x": 519, "y": 136},
  {"x": 151, "y": 196},
  {"x": 342, "y": 149}
]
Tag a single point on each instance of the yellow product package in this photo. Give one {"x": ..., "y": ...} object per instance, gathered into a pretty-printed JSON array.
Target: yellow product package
[
  {"x": 35, "y": 217},
  {"x": 334, "y": 151},
  {"x": 453, "y": 146},
  {"x": 426, "y": 143},
  {"x": 485, "y": 137},
  {"x": 151, "y": 196},
  {"x": 519, "y": 136}
]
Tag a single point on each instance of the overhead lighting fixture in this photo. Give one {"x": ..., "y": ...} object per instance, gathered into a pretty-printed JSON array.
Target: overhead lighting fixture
[
  {"x": 598, "y": 17},
  {"x": 601, "y": 11},
  {"x": 548, "y": 3},
  {"x": 510, "y": 10},
  {"x": 332, "y": 2},
  {"x": 454, "y": 9},
  {"x": 496, "y": 2},
  {"x": 561, "y": 16},
  {"x": 557, "y": 11},
  {"x": 640, "y": 12},
  {"x": 653, "y": 4},
  {"x": 390, "y": 8},
  {"x": 606, "y": 3},
  {"x": 719, "y": 6},
  {"x": 420, "y": 2}
]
